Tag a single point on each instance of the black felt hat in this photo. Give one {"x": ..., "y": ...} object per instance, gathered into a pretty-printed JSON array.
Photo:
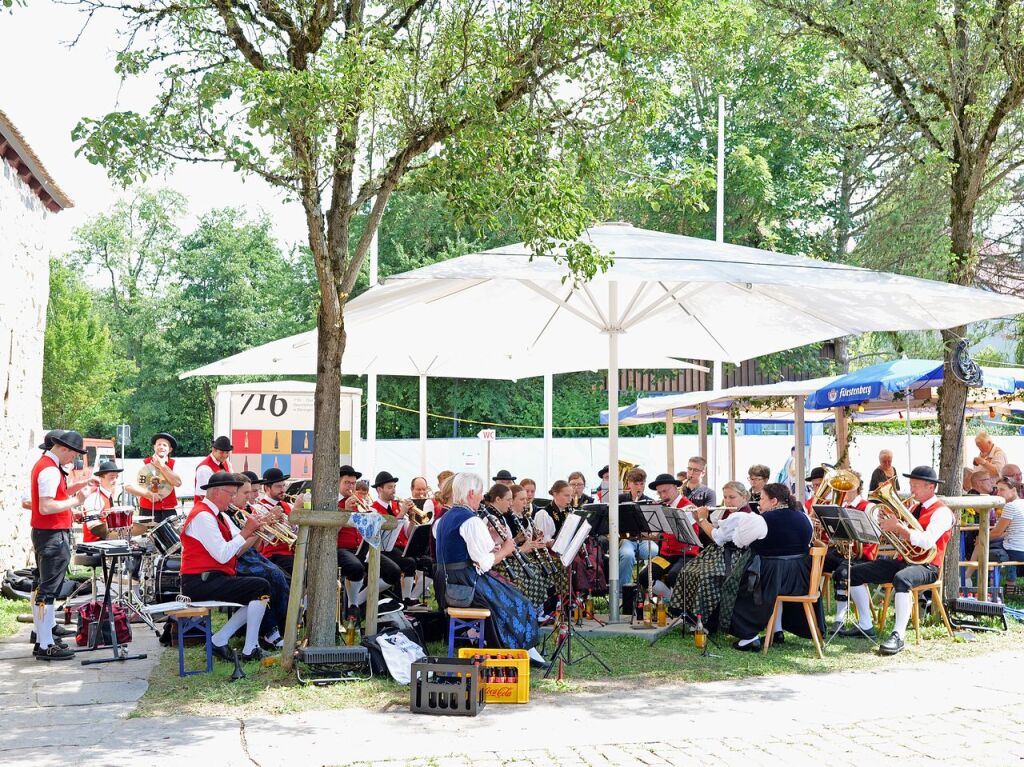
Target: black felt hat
[
  {"x": 223, "y": 443},
  {"x": 926, "y": 473},
  {"x": 664, "y": 479},
  {"x": 164, "y": 435},
  {"x": 818, "y": 472},
  {"x": 383, "y": 477},
  {"x": 48, "y": 439},
  {"x": 348, "y": 471},
  {"x": 107, "y": 467},
  {"x": 274, "y": 474},
  {"x": 503, "y": 475},
  {"x": 69, "y": 439},
  {"x": 603, "y": 473},
  {"x": 222, "y": 479},
  {"x": 252, "y": 476}
]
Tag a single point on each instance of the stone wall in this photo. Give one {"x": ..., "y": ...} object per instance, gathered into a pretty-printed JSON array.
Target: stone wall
[{"x": 24, "y": 266}]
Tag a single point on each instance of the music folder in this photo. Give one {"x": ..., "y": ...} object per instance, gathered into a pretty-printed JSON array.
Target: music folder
[
  {"x": 631, "y": 521},
  {"x": 844, "y": 524},
  {"x": 673, "y": 521}
]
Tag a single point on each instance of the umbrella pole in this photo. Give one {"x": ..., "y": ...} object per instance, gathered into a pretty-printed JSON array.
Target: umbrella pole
[
  {"x": 371, "y": 421},
  {"x": 732, "y": 447},
  {"x": 910, "y": 460},
  {"x": 798, "y": 427},
  {"x": 613, "y": 453},
  {"x": 423, "y": 424},
  {"x": 548, "y": 427}
]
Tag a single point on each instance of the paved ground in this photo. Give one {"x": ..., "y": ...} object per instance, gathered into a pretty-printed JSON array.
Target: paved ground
[{"x": 971, "y": 711}]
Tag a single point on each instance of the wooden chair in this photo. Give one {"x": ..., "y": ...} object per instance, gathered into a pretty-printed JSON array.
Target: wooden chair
[
  {"x": 915, "y": 606},
  {"x": 808, "y": 600}
]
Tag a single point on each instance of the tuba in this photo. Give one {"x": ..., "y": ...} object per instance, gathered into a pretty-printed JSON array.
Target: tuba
[
  {"x": 153, "y": 481},
  {"x": 832, "y": 492},
  {"x": 624, "y": 468},
  {"x": 892, "y": 506}
]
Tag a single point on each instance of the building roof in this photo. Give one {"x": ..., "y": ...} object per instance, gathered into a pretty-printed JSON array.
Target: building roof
[{"x": 15, "y": 150}]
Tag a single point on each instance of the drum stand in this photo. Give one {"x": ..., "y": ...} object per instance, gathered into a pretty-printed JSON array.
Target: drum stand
[
  {"x": 129, "y": 600},
  {"x": 120, "y": 651}
]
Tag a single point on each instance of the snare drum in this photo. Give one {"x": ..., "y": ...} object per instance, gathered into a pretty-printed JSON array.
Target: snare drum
[
  {"x": 166, "y": 536},
  {"x": 167, "y": 580}
]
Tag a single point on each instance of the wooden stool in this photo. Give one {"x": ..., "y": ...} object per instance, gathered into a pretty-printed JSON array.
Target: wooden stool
[
  {"x": 808, "y": 600},
  {"x": 465, "y": 619},
  {"x": 915, "y": 607},
  {"x": 197, "y": 621}
]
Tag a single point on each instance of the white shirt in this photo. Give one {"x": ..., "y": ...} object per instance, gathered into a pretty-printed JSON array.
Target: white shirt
[
  {"x": 940, "y": 521},
  {"x": 1013, "y": 538},
  {"x": 543, "y": 522},
  {"x": 479, "y": 543},
  {"x": 204, "y": 528},
  {"x": 740, "y": 529},
  {"x": 49, "y": 478},
  {"x": 203, "y": 474}
]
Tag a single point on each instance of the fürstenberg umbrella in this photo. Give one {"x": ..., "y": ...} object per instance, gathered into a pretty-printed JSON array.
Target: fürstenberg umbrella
[{"x": 668, "y": 294}]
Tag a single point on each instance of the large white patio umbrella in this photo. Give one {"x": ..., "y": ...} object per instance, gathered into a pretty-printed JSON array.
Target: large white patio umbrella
[{"x": 665, "y": 292}]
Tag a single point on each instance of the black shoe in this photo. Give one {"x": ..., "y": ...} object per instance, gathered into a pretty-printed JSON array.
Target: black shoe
[
  {"x": 56, "y": 640},
  {"x": 53, "y": 652},
  {"x": 856, "y": 632},
  {"x": 779, "y": 637},
  {"x": 253, "y": 657},
  {"x": 60, "y": 631},
  {"x": 223, "y": 652},
  {"x": 892, "y": 645},
  {"x": 754, "y": 646},
  {"x": 543, "y": 665}
]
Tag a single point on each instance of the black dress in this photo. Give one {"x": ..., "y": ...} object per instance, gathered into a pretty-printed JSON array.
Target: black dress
[{"x": 785, "y": 569}]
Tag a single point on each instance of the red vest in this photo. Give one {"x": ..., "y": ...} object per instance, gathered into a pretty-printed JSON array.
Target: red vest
[
  {"x": 348, "y": 537},
  {"x": 215, "y": 467},
  {"x": 40, "y": 521},
  {"x": 392, "y": 509},
  {"x": 170, "y": 502},
  {"x": 87, "y": 535},
  {"x": 924, "y": 517},
  {"x": 670, "y": 545},
  {"x": 195, "y": 558},
  {"x": 282, "y": 549},
  {"x": 870, "y": 549}
]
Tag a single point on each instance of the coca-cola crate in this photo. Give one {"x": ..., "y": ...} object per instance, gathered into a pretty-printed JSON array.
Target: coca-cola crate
[
  {"x": 505, "y": 674},
  {"x": 446, "y": 687}
]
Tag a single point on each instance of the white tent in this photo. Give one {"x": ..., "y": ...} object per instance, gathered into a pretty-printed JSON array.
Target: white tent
[{"x": 662, "y": 292}]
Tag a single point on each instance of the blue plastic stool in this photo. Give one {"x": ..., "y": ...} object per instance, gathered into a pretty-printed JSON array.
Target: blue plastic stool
[
  {"x": 465, "y": 619},
  {"x": 194, "y": 622}
]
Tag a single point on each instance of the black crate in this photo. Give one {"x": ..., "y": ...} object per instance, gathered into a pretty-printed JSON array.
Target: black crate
[{"x": 446, "y": 687}]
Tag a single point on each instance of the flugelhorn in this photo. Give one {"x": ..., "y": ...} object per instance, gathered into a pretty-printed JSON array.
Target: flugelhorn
[
  {"x": 277, "y": 531},
  {"x": 889, "y": 504}
]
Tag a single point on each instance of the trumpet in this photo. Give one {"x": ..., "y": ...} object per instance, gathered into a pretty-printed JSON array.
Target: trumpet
[
  {"x": 273, "y": 533},
  {"x": 417, "y": 515},
  {"x": 363, "y": 504}
]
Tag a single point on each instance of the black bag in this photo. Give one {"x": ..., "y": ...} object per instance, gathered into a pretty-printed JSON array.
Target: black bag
[{"x": 457, "y": 594}]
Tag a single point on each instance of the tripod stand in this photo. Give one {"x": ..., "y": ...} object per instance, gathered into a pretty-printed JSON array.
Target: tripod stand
[{"x": 567, "y": 635}]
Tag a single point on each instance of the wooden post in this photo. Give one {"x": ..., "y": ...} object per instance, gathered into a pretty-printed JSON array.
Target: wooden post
[
  {"x": 842, "y": 438},
  {"x": 334, "y": 519},
  {"x": 983, "y": 504},
  {"x": 670, "y": 441},
  {"x": 798, "y": 459},
  {"x": 702, "y": 430},
  {"x": 982, "y": 573},
  {"x": 732, "y": 446}
]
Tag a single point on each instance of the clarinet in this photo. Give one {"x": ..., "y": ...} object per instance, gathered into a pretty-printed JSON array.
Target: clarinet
[
  {"x": 499, "y": 528},
  {"x": 528, "y": 531}
]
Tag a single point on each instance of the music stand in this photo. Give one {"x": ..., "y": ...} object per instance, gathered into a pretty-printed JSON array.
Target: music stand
[
  {"x": 567, "y": 629},
  {"x": 852, "y": 526},
  {"x": 418, "y": 547},
  {"x": 675, "y": 522}
]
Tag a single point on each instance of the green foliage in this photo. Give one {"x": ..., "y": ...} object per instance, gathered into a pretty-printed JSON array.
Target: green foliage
[{"x": 82, "y": 374}]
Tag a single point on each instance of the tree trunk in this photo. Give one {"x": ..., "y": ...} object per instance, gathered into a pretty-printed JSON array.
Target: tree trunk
[{"x": 322, "y": 561}]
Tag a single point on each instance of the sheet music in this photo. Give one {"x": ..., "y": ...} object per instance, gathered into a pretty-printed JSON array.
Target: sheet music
[
  {"x": 388, "y": 538},
  {"x": 174, "y": 606},
  {"x": 566, "y": 533},
  {"x": 574, "y": 545}
]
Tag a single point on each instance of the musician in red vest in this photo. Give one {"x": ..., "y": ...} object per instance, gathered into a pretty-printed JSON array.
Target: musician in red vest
[
  {"x": 835, "y": 560},
  {"x": 387, "y": 504},
  {"x": 216, "y": 461},
  {"x": 937, "y": 521},
  {"x": 271, "y": 498},
  {"x": 150, "y": 503},
  {"x": 669, "y": 558},
  {"x": 210, "y": 546},
  {"x": 98, "y": 517},
  {"x": 52, "y": 518},
  {"x": 353, "y": 568}
]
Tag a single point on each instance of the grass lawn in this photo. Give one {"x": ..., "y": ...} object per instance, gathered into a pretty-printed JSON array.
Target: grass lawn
[
  {"x": 9, "y": 611},
  {"x": 673, "y": 659}
]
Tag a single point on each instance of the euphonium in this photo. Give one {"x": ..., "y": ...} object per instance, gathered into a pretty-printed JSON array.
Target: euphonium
[
  {"x": 890, "y": 505},
  {"x": 832, "y": 492}
]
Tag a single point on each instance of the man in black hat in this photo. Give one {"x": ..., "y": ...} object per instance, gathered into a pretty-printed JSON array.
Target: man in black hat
[
  {"x": 216, "y": 461},
  {"x": 350, "y": 544},
  {"x": 815, "y": 478},
  {"x": 504, "y": 477},
  {"x": 386, "y": 503},
  {"x": 150, "y": 502},
  {"x": 670, "y": 557},
  {"x": 210, "y": 546},
  {"x": 937, "y": 522},
  {"x": 98, "y": 517},
  {"x": 271, "y": 498},
  {"x": 52, "y": 518},
  {"x": 602, "y": 490}
]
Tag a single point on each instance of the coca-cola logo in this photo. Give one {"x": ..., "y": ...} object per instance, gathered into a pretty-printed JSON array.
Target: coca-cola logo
[{"x": 500, "y": 690}]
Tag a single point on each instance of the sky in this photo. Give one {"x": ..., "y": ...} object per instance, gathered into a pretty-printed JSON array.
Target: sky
[{"x": 48, "y": 86}]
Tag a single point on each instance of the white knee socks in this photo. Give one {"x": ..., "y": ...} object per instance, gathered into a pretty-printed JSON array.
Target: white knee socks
[
  {"x": 778, "y": 621},
  {"x": 253, "y": 618},
  {"x": 661, "y": 590},
  {"x": 352, "y": 592},
  {"x": 407, "y": 584},
  {"x": 862, "y": 598},
  {"x": 902, "y": 603},
  {"x": 234, "y": 623},
  {"x": 44, "y": 627},
  {"x": 842, "y": 607}
]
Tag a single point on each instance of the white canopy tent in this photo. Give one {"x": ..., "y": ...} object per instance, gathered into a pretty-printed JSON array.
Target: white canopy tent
[
  {"x": 394, "y": 344},
  {"x": 717, "y": 301}
]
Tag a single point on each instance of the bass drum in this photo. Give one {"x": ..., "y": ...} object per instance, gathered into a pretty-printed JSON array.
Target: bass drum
[{"x": 167, "y": 579}]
